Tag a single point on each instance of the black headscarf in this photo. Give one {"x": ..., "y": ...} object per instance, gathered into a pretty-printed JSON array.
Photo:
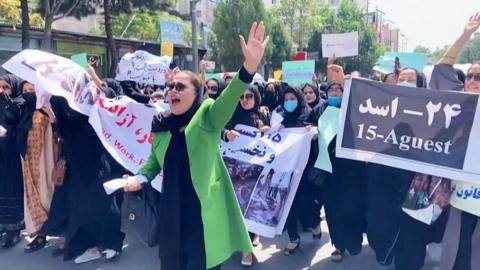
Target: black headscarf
[
  {"x": 15, "y": 83},
  {"x": 168, "y": 121},
  {"x": 248, "y": 117},
  {"x": 115, "y": 86},
  {"x": 317, "y": 94},
  {"x": 130, "y": 88},
  {"x": 421, "y": 81},
  {"x": 298, "y": 117},
  {"x": 269, "y": 99},
  {"x": 221, "y": 87}
]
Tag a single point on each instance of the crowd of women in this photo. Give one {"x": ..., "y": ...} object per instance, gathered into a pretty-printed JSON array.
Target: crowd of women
[{"x": 199, "y": 214}]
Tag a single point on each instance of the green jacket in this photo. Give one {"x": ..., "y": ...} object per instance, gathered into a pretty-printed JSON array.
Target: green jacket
[{"x": 223, "y": 225}]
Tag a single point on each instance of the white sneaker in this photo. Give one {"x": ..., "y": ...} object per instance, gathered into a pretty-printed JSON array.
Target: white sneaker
[
  {"x": 110, "y": 254},
  {"x": 89, "y": 255}
]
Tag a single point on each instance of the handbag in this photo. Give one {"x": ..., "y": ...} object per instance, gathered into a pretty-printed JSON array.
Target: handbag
[
  {"x": 140, "y": 214},
  {"x": 60, "y": 167}
]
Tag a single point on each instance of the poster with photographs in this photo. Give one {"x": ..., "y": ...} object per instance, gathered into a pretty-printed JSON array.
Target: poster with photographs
[{"x": 266, "y": 169}]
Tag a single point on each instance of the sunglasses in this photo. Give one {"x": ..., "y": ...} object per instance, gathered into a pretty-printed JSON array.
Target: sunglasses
[
  {"x": 178, "y": 86},
  {"x": 246, "y": 96},
  {"x": 475, "y": 77},
  {"x": 213, "y": 88}
]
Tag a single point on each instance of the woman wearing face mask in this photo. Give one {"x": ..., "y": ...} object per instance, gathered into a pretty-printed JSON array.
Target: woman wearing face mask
[
  {"x": 36, "y": 144},
  {"x": 461, "y": 241},
  {"x": 214, "y": 87},
  {"x": 200, "y": 218},
  {"x": 247, "y": 113},
  {"x": 11, "y": 182},
  {"x": 295, "y": 111},
  {"x": 343, "y": 190},
  {"x": 312, "y": 95},
  {"x": 392, "y": 234}
]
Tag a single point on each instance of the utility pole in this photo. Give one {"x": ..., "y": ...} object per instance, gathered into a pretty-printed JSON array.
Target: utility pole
[{"x": 193, "y": 15}]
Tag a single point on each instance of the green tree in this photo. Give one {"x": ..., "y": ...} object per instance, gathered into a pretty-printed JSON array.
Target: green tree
[
  {"x": 281, "y": 42},
  {"x": 10, "y": 11},
  {"x": 422, "y": 49},
  {"x": 348, "y": 18},
  {"x": 437, "y": 54},
  {"x": 471, "y": 51},
  {"x": 301, "y": 17},
  {"x": 234, "y": 18}
]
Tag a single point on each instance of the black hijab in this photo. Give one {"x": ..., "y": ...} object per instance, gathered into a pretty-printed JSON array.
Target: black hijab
[
  {"x": 421, "y": 81},
  {"x": 16, "y": 83},
  {"x": 317, "y": 94},
  {"x": 298, "y": 117},
  {"x": 270, "y": 99},
  {"x": 130, "y": 88},
  {"x": 115, "y": 86},
  {"x": 248, "y": 117},
  {"x": 221, "y": 87}
]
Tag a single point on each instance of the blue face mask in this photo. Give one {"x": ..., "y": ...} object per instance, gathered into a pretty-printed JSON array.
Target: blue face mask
[
  {"x": 407, "y": 84},
  {"x": 290, "y": 105},
  {"x": 334, "y": 101}
]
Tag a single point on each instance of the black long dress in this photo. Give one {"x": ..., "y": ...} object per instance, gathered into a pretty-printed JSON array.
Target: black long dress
[
  {"x": 93, "y": 219},
  {"x": 11, "y": 181}
]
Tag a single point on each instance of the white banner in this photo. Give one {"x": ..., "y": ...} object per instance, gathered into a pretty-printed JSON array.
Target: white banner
[
  {"x": 266, "y": 169},
  {"x": 143, "y": 67},
  {"x": 124, "y": 128},
  {"x": 57, "y": 75}
]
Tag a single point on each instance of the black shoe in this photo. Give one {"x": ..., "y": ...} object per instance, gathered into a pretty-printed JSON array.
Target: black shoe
[
  {"x": 37, "y": 243},
  {"x": 355, "y": 251},
  {"x": 11, "y": 239}
]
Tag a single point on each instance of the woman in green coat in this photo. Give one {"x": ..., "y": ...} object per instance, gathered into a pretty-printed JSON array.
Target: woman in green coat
[{"x": 201, "y": 224}]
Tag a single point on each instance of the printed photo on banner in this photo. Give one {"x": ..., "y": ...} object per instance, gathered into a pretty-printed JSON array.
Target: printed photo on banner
[
  {"x": 244, "y": 177},
  {"x": 427, "y": 131},
  {"x": 55, "y": 75},
  {"x": 266, "y": 169},
  {"x": 269, "y": 198},
  {"x": 427, "y": 197}
]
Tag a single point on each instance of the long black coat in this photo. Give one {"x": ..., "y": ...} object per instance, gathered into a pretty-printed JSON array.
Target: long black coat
[{"x": 92, "y": 217}]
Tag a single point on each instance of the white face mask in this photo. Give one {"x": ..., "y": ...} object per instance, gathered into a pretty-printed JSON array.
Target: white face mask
[{"x": 407, "y": 84}]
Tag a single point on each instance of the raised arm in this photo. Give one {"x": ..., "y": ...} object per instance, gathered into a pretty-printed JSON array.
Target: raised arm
[
  {"x": 222, "y": 110},
  {"x": 452, "y": 53}
]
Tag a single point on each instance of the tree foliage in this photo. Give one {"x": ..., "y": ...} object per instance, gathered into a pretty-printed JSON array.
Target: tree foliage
[
  {"x": 234, "y": 18},
  {"x": 281, "y": 42},
  {"x": 10, "y": 11},
  {"x": 422, "y": 49},
  {"x": 301, "y": 18},
  {"x": 347, "y": 18}
]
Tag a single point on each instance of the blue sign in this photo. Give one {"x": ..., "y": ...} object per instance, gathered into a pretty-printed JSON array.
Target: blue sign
[{"x": 172, "y": 32}]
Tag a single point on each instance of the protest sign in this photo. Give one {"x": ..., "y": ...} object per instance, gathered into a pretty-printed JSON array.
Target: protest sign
[
  {"x": 466, "y": 197},
  {"x": 80, "y": 59},
  {"x": 340, "y": 45},
  {"x": 143, "y": 67},
  {"x": 298, "y": 72},
  {"x": 327, "y": 130},
  {"x": 426, "y": 131},
  {"x": 166, "y": 48},
  {"x": 56, "y": 75},
  {"x": 266, "y": 169},
  {"x": 277, "y": 75},
  {"x": 124, "y": 128},
  {"x": 386, "y": 63}
]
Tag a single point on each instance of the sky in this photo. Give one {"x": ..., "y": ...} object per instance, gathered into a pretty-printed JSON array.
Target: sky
[{"x": 430, "y": 23}]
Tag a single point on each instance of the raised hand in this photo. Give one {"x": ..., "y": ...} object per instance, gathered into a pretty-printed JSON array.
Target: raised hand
[
  {"x": 473, "y": 24},
  {"x": 254, "y": 48}
]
